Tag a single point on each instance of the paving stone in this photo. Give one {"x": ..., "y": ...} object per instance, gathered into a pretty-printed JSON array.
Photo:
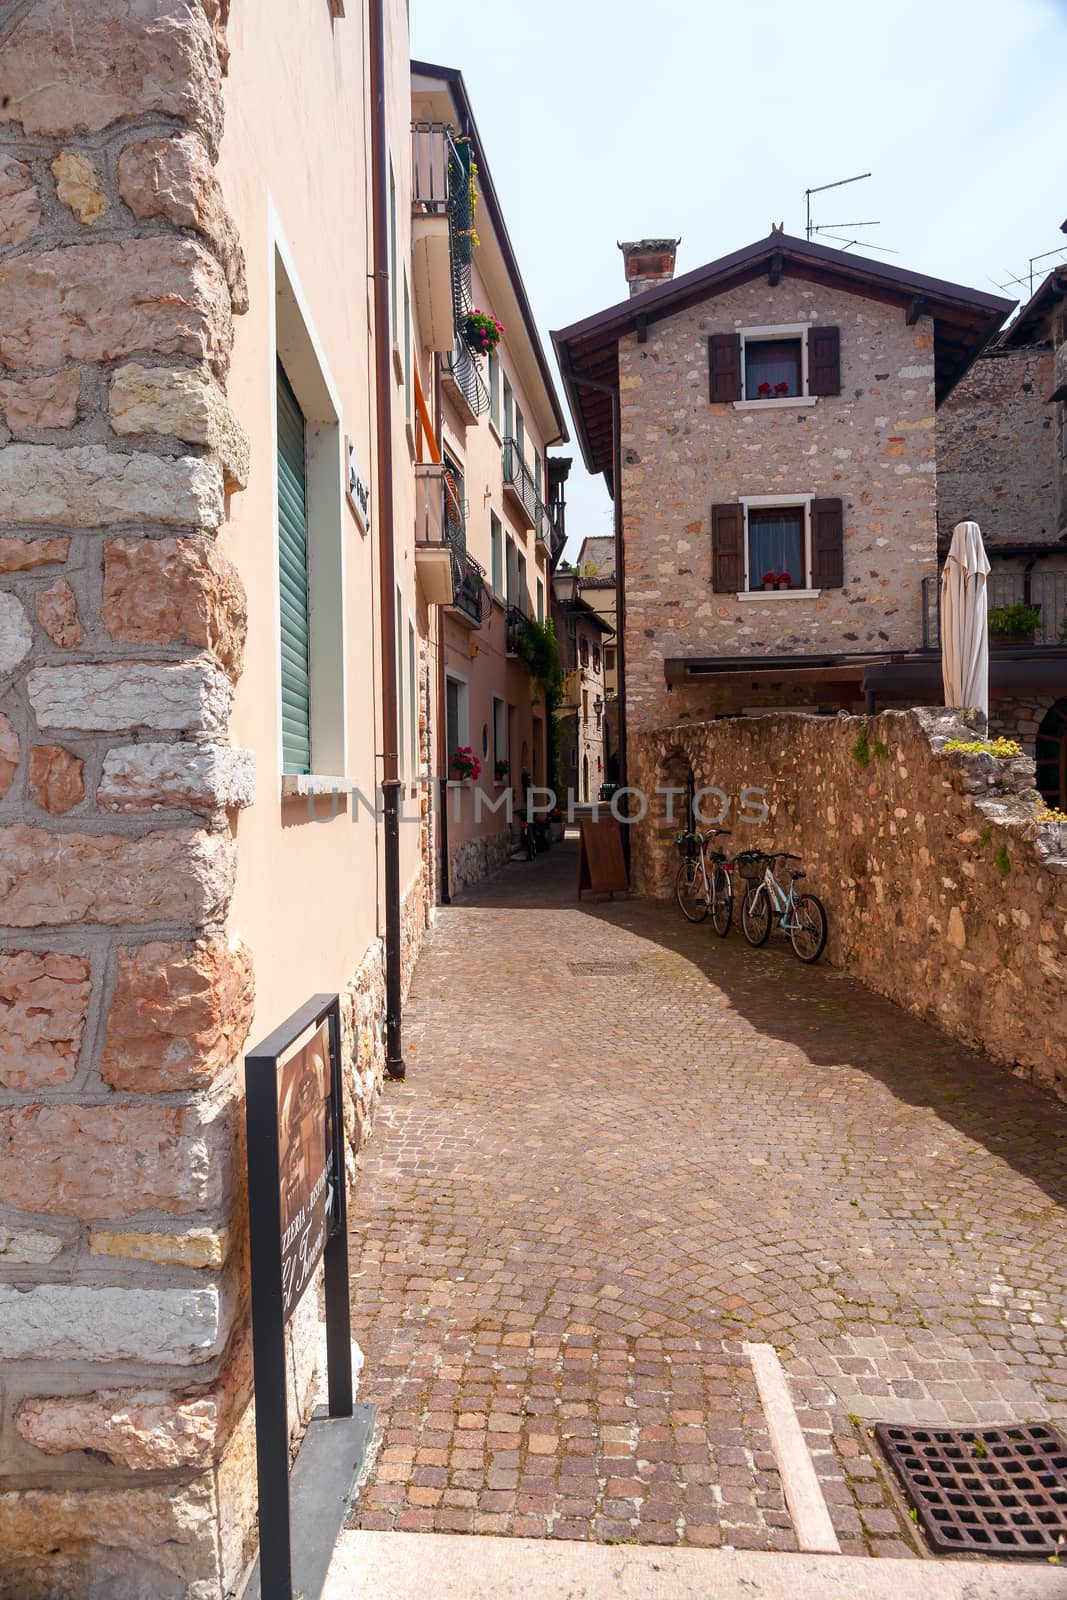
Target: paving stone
[{"x": 591, "y": 1192}]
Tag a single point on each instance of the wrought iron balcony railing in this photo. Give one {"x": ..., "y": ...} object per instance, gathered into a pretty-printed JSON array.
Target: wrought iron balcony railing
[
  {"x": 462, "y": 372},
  {"x": 516, "y": 623},
  {"x": 440, "y": 515},
  {"x": 519, "y": 479},
  {"x": 470, "y": 596},
  {"x": 441, "y": 182},
  {"x": 1048, "y": 592}
]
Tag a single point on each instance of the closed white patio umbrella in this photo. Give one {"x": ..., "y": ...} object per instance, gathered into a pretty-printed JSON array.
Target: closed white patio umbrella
[{"x": 964, "y": 614}]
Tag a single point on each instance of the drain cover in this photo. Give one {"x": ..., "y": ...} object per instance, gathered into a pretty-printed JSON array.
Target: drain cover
[
  {"x": 1001, "y": 1490},
  {"x": 600, "y": 969}
]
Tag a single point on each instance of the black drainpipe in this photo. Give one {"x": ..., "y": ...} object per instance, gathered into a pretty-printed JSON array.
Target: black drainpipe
[{"x": 394, "y": 1053}]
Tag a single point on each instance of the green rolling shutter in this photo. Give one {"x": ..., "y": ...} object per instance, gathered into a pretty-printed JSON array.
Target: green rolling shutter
[{"x": 293, "y": 575}]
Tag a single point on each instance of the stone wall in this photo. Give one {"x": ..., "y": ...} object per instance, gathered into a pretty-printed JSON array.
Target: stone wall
[
  {"x": 125, "y": 1450},
  {"x": 998, "y": 456},
  {"x": 942, "y": 890},
  {"x": 872, "y": 446},
  {"x": 471, "y": 860}
]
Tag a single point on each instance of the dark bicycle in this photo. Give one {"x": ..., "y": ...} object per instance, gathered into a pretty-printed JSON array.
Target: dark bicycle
[{"x": 699, "y": 890}]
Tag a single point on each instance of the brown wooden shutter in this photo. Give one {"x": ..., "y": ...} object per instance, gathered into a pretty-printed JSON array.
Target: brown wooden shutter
[
  {"x": 827, "y": 544},
  {"x": 724, "y": 357},
  {"x": 824, "y": 360},
  {"x": 727, "y": 534}
]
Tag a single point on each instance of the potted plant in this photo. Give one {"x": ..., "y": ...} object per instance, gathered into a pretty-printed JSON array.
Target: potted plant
[
  {"x": 464, "y": 763},
  {"x": 1013, "y": 626},
  {"x": 785, "y": 581},
  {"x": 500, "y": 771},
  {"x": 781, "y": 390},
  {"x": 770, "y": 580},
  {"x": 764, "y": 391},
  {"x": 482, "y": 331}
]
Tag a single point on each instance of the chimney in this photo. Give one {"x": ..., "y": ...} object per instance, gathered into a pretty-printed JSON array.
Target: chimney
[{"x": 648, "y": 262}]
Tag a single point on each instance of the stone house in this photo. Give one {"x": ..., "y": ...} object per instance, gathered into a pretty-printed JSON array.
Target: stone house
[
  {"x": 766, "y": 424},
  {"x": 583, "y": 637},
  {"x": 225, "y": 365},
  {"x": 1002, "y": 458}
]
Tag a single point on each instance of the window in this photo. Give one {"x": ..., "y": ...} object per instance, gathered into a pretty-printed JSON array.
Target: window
[
  {"x": 1050, "y": 750},
  {"x": 392, "y": 247},
  {"x": 538, "y": 475},
  {"x": 509, "y": 409},
  {"x": 407, "y": 352},
  {"x": 775, "y": 545},
  {"x": 523, "y": 601},
  {"x": 309, "y": 448},
  {"x": 500, "y": 731},
  {"x": 496, "y": 554},
  {"x": 774, "y": 368},
  {"x": 511, "y": 574},
  {"x": 540, "y": 600},
  {"x": 609, "y": 658},
  {"x": 456, "y": 718},
  {"x": 494, "y": 389},
  {"x": 776, "y": 548},
  {"x": 520, "y": 433},
  {"x": 585, "y": 706},
  {"x": 413, "y": 714},
  {"x": 294, "y": 584},
  {"x": 583, "y": 651},
  {"x": 596, "y": 658},
  {"x": 775, "y": 365}
]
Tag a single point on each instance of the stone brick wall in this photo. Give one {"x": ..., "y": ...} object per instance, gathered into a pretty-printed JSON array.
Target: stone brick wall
[
  {"x": 872, "y": 446},
  {"x": 125, "y": 1451},
  {"x": 942, "y": 890},
  {"x": 998, "y": 457}
]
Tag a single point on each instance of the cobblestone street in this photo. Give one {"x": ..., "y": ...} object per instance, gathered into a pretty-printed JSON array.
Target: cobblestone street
[{"x": 623, "y": 1149}]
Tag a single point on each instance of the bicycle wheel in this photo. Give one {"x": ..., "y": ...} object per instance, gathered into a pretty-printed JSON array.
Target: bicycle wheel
[
  {"x": 689, "y": 890},
  {"x": 722, "y": 900},
  {"x": 808, "y": 933},
  {"x": 756, "y": 916}
]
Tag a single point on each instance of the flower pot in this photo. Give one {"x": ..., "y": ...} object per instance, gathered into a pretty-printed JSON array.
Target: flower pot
[
  {"x": 784, "y": 583},
  {"x": 1011, "y": 641},
  {"x": 767, "y": 585}
]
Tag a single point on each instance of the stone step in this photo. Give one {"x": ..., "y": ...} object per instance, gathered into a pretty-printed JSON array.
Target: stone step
[{"x": 411, "y": 1566}]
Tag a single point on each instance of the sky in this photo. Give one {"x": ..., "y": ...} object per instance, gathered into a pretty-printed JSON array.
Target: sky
[{"x": 608, "y": 119}]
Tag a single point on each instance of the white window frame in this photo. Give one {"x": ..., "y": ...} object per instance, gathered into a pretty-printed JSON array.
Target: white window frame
[
  {"x": 780, "y": 330},
  {"x": 463, "y": 710},
  {"x": 778, "y": 502},
  {"x": 302, "y": 354}
]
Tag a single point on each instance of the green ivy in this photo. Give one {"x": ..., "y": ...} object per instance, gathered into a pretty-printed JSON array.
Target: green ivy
[{"x": 1001, "y": 861}]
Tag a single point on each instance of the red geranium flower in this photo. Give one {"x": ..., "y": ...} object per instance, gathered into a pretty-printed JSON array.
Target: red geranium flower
[{"x": 764, "y": 388}]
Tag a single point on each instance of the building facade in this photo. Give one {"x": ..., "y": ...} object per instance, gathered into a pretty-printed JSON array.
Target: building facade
[
  {"x": 1002, "y": 459},
  {"x": 581, "y": 712},
  {"x": 772, "y": 450},
  {"x": 228, "y": 398},
  {"x": 498, "y": 415}
]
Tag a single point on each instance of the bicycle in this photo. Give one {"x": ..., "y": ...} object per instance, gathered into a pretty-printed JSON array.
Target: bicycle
[
  {"x": 801, "y": 916},
  {"x": 696, "y": 893}
]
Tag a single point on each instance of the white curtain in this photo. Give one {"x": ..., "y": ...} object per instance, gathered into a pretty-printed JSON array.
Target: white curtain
[{"x": 964, "y": 612}]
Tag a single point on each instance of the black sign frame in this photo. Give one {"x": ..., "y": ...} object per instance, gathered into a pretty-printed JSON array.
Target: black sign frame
[{"x": 269, "y": 1321}]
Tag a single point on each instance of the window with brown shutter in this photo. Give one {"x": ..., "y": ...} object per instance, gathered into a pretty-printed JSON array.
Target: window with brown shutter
[
  {"x": 724, "y": 358},
  {"x": 824, "y": 360},
  {"x": 727, "y": 537},
  {"x": 827, "y": 544}
]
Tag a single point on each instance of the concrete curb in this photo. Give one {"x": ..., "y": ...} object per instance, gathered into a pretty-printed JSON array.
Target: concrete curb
[{"x": 411, "y": 1566}]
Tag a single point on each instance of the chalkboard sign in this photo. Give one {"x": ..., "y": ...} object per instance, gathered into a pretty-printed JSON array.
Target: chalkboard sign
[
  {"x": 601, "y": 862},
  {"x": 296, "y": 1217}
]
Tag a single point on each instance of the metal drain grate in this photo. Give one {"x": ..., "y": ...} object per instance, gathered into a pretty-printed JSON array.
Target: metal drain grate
[
  {"x": 600, "y": 969},
  {"x": 998, "y": 1490}
]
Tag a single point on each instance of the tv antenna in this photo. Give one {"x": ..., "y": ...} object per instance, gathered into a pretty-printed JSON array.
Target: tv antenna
[
  {"x": 1030, "y": 265},
  {"x": 810, "y": 227}
]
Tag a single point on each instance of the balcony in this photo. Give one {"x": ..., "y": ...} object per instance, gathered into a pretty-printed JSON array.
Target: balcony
[
  {"x": 470, "y": 596},
  {"x": 519, "y": 486},
  {"x": 516, "y": 623},
  {"x": 441, "y": 231},
  {"x": 440, "y": 531},
  {"x": 463, "y": 381},
  {"x": 1048, "y": 592},
  {"x": 548, "y": 526}
]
